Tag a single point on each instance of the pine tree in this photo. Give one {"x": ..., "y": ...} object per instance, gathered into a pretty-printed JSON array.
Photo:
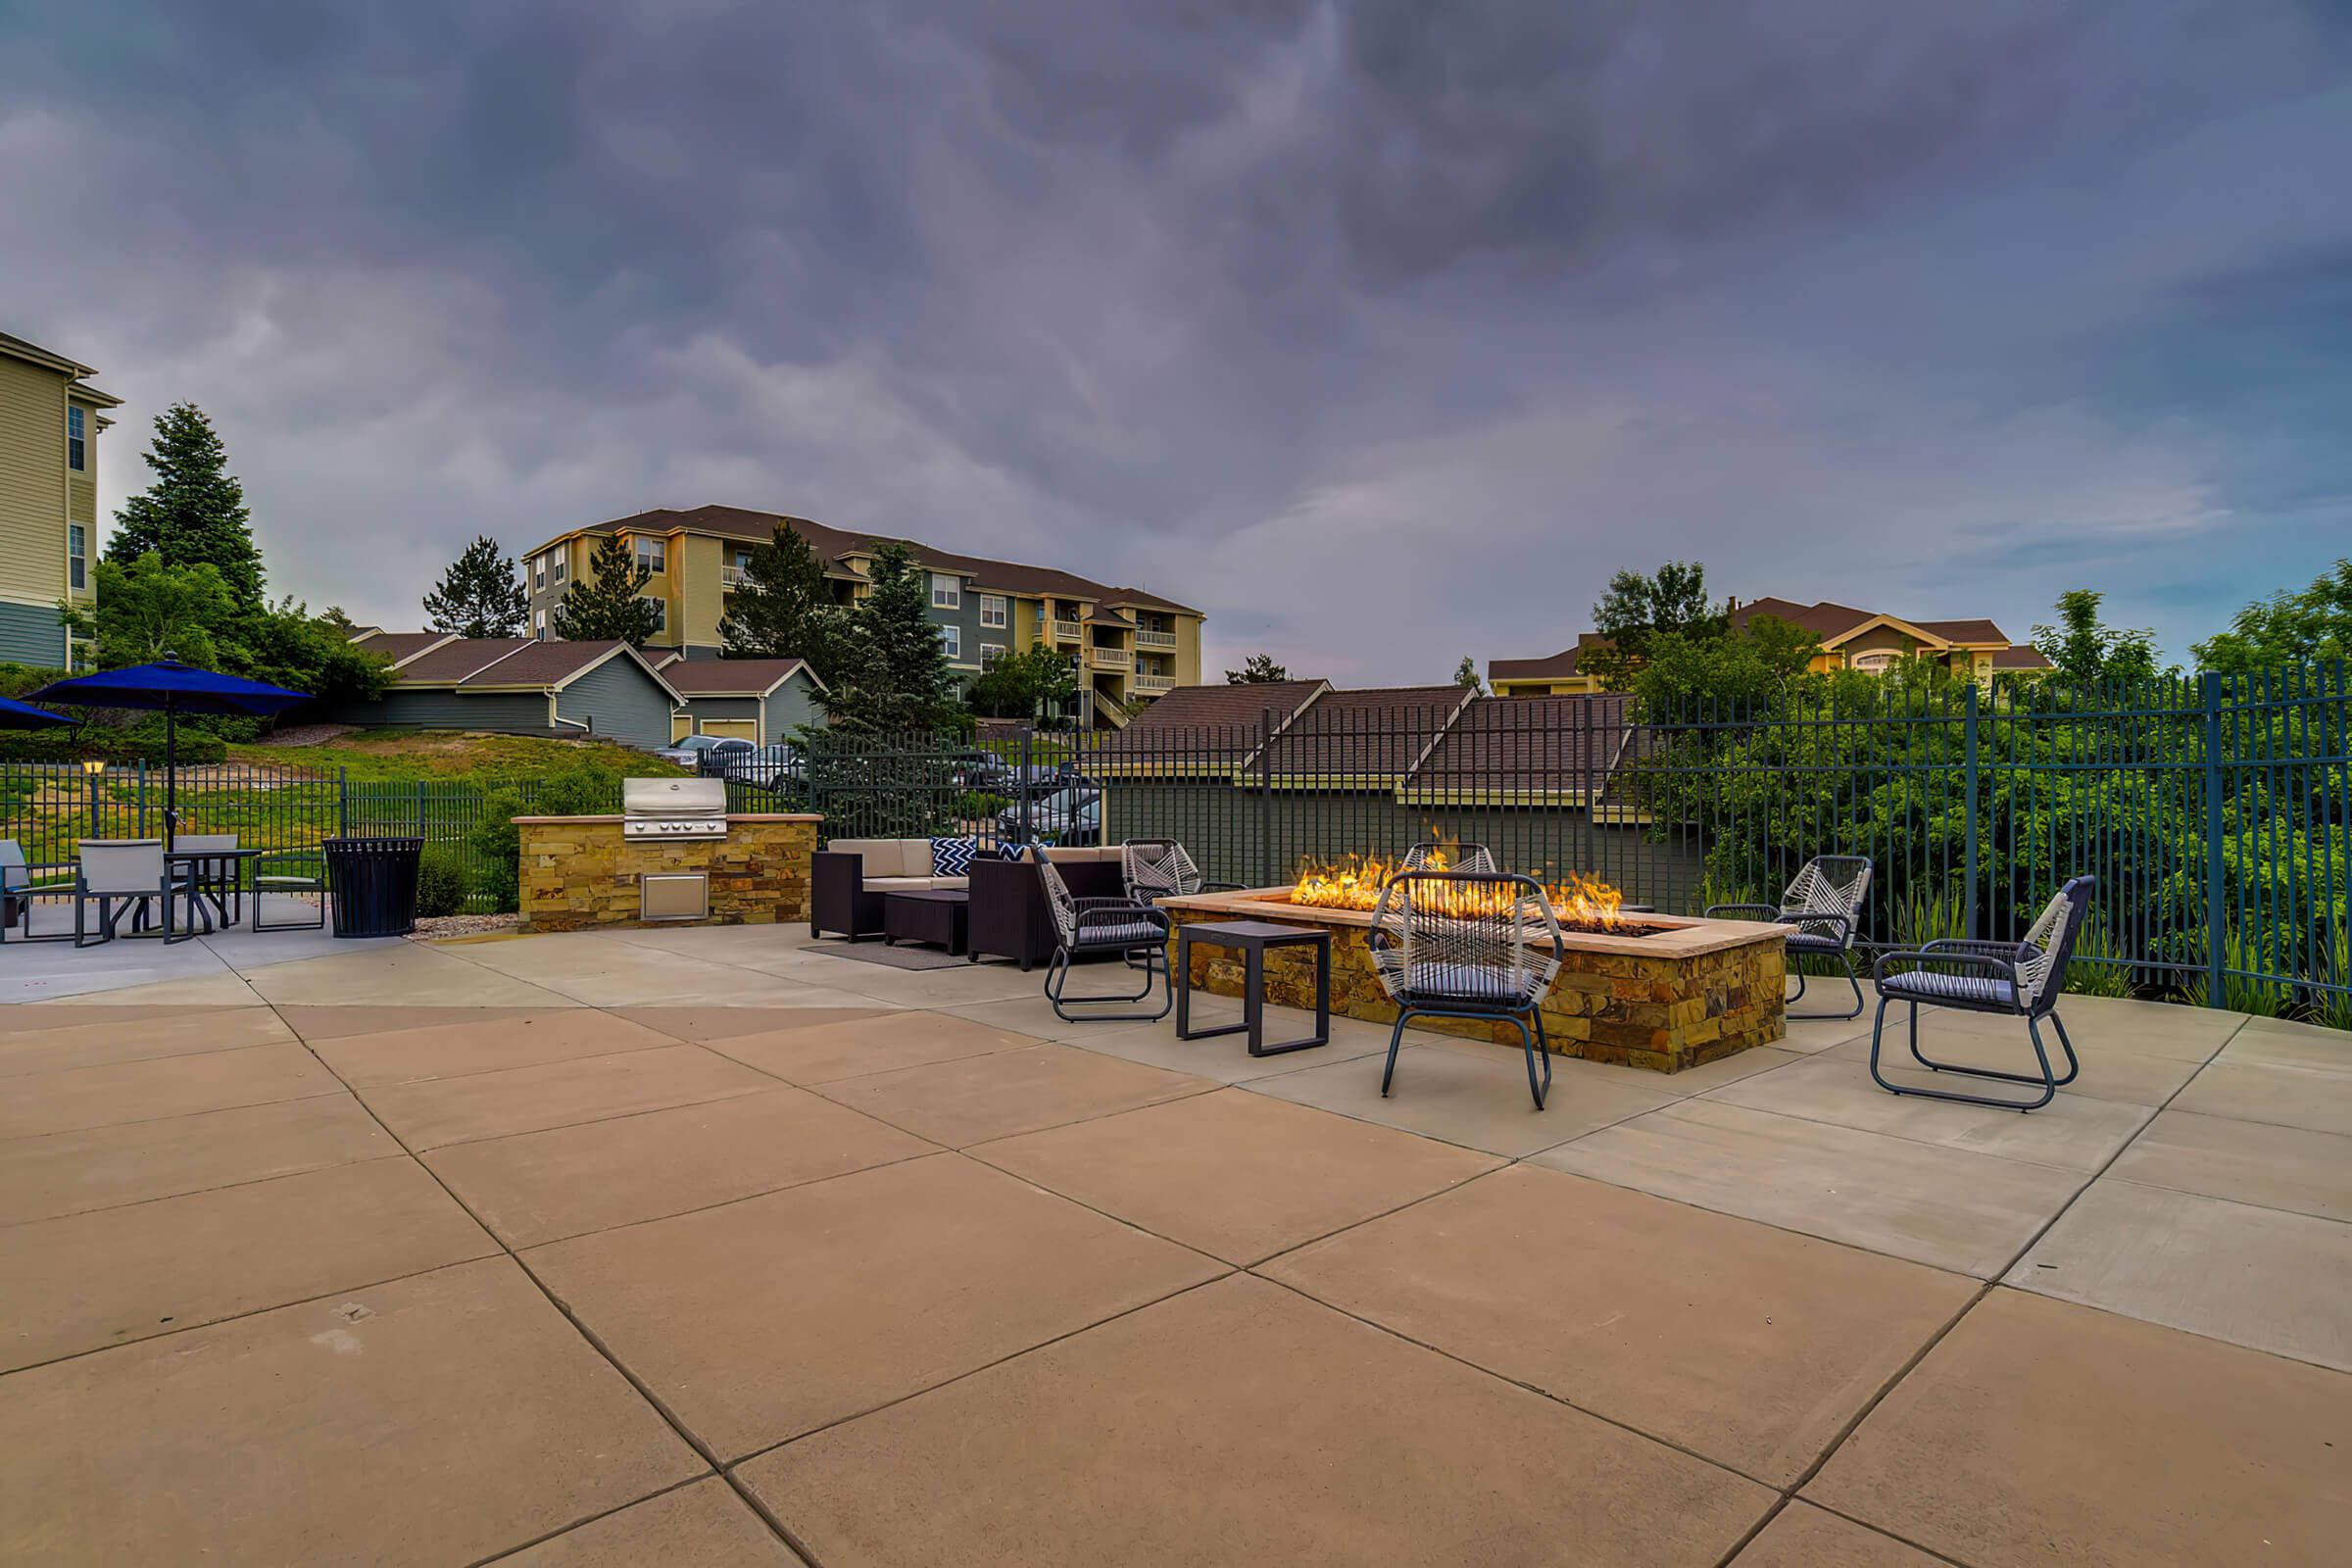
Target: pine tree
[
  {"x": 783, "y": 608},
  {"x": 194, "y": 513},
  {"x": 894, "y": 675},
  {"x": 609, "y": 600},
  {"x": 482, "y": 595},
  {"x": 1257, "y": 670}
]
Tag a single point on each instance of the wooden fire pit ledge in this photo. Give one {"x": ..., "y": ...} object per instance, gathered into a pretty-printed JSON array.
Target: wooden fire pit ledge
[{"x": 1682, "y": 995}]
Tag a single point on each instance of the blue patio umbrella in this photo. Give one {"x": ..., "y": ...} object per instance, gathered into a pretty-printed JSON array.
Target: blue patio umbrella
[
  {"x": 24, "y": 716},
  {"x": 173, "y": 688}
]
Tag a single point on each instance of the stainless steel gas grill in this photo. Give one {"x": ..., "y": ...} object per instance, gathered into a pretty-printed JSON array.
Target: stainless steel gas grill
[{"x": 673, "y": 809}]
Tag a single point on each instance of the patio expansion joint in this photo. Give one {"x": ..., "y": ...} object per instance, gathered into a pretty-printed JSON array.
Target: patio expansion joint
[{"x": 590, "y": 1340}]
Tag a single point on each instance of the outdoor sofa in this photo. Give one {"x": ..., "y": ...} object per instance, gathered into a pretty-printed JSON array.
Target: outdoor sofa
[{"x": 1009, "y": 915}]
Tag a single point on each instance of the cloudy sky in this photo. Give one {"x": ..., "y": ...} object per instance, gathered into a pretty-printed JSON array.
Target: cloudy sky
[{"x": 1384, "y": 332}]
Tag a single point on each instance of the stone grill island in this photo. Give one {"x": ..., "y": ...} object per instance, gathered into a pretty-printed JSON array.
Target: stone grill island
[{"x": 1668, "y": 994}]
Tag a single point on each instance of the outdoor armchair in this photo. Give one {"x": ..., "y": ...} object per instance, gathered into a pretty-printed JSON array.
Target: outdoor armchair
[
  {"x": 300, "y": 873},
  {"x": 1108, "y": 928},
  {"x": 2017, "y": 979},
  {"x": 1825, "y": 905},
  {"x": 1496, "y": 964},
  {"x": 18, "y": 890},
  {"x": 222, "y": 880},
  {"x": 131, "y": 873}
]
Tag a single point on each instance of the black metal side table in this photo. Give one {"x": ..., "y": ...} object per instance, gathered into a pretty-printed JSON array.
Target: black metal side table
[{"x": 1252, "y": 938}]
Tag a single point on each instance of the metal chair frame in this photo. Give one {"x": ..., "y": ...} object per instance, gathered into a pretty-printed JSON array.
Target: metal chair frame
[
  {"x": 1399, "y": 931},
  {"x": 1826, "y": 892},
  {"x": 264, "y": 883},
  {"x": 18, "y": 893},
  {"x": 134, "y": 900},
  {"x": 1474, "y": 858},
  {"x": 2034, "y": 971},
  {"x": 1087, "y": 927}
]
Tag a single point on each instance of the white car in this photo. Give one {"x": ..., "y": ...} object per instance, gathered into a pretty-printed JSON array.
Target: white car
[{"x": 697, "y": 751}]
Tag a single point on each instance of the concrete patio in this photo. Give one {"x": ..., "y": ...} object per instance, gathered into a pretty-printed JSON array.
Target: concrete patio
[{"x": 714, "y": 1246}]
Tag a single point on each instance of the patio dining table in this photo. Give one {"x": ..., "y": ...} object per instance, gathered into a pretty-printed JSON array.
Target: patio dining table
[{"x": 218, "y": 875}]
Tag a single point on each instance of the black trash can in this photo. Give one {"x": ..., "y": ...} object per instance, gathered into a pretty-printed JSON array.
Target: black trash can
[{"x": 373, "y": 882}]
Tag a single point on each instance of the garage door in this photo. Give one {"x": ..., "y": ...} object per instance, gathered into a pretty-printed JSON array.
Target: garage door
[
  {"x": 744, "y": 728},
  {"x": 680, "y": 726}
]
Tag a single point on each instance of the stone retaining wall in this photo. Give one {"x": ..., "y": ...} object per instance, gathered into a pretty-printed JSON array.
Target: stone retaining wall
[
  {"x": 578, "y": 872},
  {"x": 1663, "y": 1014}
]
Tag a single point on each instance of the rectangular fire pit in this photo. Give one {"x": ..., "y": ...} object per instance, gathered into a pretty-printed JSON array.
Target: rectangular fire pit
[{"x": 1666, "y": 995}]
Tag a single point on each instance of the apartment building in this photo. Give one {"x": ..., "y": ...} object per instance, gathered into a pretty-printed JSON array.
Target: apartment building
[
  {"x": 50, "y": 418},
  {"x": 1127, "y": 646},
  {"x": 1867, "y": 640}
]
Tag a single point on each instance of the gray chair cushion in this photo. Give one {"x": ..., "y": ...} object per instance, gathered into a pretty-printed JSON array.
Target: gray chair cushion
[{"x": 1951, "y": 990}]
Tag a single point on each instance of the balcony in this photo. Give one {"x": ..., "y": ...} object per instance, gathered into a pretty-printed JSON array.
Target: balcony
[
  {"x": 1109, "y": 658},
  {"x": 1068, "y": 631},
  {"x": 1156, "y": 639},
  {"x": 731, "y": 578},
  {"x": 1150, "y": 685}
]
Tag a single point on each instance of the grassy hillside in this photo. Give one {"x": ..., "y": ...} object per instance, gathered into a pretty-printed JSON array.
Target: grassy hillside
[{"x": 401, "y": 756}]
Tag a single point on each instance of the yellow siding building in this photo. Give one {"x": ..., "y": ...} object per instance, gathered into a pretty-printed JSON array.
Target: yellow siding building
[
  {"x": 50, "y": 418},
  {"x": 1127, "y": 646}
]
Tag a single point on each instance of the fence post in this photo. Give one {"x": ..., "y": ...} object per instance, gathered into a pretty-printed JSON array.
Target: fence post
[
  {"x": 1020, "y": 783},
  {"x": 1583, "y": 741},
  {"x": 2217, "y": 913},
  {"x": 1265, "y": 799},
  {"x": 342, "y": 802},
  {"x": 1970, "y": 799},
  {"x": 142, "y": 797}
]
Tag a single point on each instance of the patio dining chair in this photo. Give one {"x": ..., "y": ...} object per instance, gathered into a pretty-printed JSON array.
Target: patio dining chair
[
  {"x": 131, "y": 873},
  {"x": 2017, "y": 979},
  {"x": 1825, "y": 905},
  {"x": 19, "y": 891},
  {"x": 1424, "y": 856},
  {"x": 1494, "y": 964},
  {"x": 290, "y": 884},
  {"x": 1103, "y": 927}
]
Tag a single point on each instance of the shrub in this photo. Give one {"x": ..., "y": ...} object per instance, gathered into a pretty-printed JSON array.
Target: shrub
[
  {"x": 497, "y": 843},
  {"x": 440, "y": 884}
]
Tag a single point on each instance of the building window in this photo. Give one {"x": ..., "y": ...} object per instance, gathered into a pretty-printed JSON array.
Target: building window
[
  {"x": 992, "y": 610},
  {"x": 990, "y": 653},
  {"x": 652, "y": 555},
  {"x": 562, "y": 564},
  {"x": 538, "y": 573},
  {"x": 539, "y": 624},
  {"x": 661, "y": 612},
  {"x": 78, "y": 557},
  {"x": 946, "y": 591},
  {"x": 77, "y": 446},
  {"x": 950, "y": 639},
  {"x": 1876, "y": 663}
]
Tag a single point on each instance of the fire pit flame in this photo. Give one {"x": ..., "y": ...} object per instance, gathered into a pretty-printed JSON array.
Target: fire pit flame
[{"x": 1355, "y": 882}]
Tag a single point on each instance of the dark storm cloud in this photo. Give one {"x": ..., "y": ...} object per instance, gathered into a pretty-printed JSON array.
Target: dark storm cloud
[{"x": 1281, "y": 306}]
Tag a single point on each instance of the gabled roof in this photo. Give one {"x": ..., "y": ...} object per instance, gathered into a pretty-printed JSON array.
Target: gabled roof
[
  {"x": 1207, "y": 728},
  {"x": 1358, "y": 738},
  {"x": 73, "y": 370},
  {"x": 733, "y": 677},
  {"x": 832, "y": 544},
  {"x": 1526, "y": 749},
  {"x": 1558, "y": 666},
  {"x": 554, "y": 665},
  {"x": 456, "y": 659},
  {"x": 400, "y": 646},
  {"x": 2021, "y": 656},
  {"x": 1835, "y": 623}
]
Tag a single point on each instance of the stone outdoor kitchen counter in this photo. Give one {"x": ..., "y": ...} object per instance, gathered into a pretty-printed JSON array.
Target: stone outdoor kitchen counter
[
  {"x": 578, "y": 872},
  {"x": 1684, "y": 995}
]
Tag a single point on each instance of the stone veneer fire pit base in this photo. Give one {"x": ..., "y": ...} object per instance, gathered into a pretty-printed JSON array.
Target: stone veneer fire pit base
[{"x": 1685, "y": 994}]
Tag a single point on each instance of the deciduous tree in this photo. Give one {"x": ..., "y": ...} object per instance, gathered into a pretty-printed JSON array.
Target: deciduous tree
[{"x": 1256, "y": 669}]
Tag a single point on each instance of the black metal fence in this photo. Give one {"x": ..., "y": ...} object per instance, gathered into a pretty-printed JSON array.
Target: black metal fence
[{"x": 2216, "y": 811}]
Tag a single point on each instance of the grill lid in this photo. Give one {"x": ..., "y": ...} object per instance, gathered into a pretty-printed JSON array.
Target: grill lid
[{"x": 674, "y": 797}]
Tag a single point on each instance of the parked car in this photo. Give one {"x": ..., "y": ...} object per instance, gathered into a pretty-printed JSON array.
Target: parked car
[
  {"x": 690, "y": 750},
  {"x": 1072, "y": 811},
  {"x": 773, "y": 766}
]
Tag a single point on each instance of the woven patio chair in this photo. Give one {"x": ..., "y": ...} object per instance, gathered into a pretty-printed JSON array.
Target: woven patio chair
[
  {"x": 1491, "y": 966},
  {"x": 1158, "y": 868},
  {"x": 1825, "y": 905},
  {"x": 2017, "y": 979},
  {"x": 1103, "y": 927},
  {"x": 1458, "y": 858}
]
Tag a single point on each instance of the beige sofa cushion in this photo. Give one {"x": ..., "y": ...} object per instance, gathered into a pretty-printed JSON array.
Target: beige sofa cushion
[
  {"x": 888, "y": 858},
  {"x": 1080, "y": 853},
  {"x": 913, "y": 884}
]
